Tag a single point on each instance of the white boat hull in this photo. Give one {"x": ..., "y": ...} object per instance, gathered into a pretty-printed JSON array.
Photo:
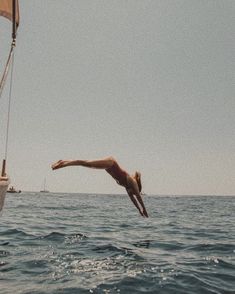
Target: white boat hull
[{"x": 3, "y": 189}]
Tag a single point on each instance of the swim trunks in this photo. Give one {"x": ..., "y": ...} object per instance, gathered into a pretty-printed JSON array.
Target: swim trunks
[{"x": 118, "y": 174}]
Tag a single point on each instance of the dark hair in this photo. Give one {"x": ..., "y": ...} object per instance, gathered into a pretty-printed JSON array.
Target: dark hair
[{"x": 138, "y": 180}]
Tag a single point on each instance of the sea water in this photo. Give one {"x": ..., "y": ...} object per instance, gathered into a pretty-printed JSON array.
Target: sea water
[{"x": 83, "y": 243}]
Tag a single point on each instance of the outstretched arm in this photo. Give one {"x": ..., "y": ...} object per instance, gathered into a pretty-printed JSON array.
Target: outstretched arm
[
  {"x": 134, "y": 190},
  {"x": 139, "y": 198},
  {"x": 130, "y": 194}
]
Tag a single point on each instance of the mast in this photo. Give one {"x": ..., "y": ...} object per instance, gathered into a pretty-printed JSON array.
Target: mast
[
  {"x": 10, "y": 10},
  {"x": 13, "y": 20}
]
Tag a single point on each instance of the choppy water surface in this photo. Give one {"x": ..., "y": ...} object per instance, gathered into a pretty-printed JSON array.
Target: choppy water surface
[{"x": 77, "y": 243}]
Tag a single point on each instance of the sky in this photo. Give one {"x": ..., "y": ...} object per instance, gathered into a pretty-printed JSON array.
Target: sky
[{"x": 150, "y": 83}]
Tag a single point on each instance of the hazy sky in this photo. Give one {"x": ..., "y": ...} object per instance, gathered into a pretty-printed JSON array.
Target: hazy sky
[{"x": 150, "y": 82}]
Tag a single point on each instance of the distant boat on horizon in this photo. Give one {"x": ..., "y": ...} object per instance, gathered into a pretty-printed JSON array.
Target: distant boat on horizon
[
  {"x": 13, "y": 190},
  {"x": 44, "y": 190}
]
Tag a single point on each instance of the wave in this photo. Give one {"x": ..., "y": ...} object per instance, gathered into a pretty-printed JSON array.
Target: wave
[
  {"x": 117, "y": 250},
  {"x": 15, "y": 232},
  {"x": 4, "y": 253},
  {"x": 4, "y": 243},
  {"x": 28, "y": 239},
  {"x": 169, "y": 246},
  {"x": 217, "y": 247},
  {"x": 143, "y": 243},
  {"x": 56, "y": 236}
]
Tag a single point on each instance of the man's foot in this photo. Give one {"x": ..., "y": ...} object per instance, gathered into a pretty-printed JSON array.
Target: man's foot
[{"x": 57, "y": 165}]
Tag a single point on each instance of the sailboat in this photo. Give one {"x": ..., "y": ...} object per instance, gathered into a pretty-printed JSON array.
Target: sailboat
[
  {"x": 13, "y": 190},
  {"x": 44, "y": 190},
  {"x": 10, "y": 10}
]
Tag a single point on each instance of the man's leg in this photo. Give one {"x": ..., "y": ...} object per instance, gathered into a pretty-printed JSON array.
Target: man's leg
[{"x": 99, "y": 164}]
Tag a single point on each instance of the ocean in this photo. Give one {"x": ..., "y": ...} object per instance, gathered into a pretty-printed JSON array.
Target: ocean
[{"x": 83, "y": 243}]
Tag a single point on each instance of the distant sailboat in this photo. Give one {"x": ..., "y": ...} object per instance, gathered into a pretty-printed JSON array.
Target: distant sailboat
[
  {"x": 44, "y": 190},
  {"x": 13, "y": 190},
  {"x": 10, "y": 10}
]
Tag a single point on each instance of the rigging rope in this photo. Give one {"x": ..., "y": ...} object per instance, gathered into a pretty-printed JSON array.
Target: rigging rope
[
  {"x": 9, "y": 106},
  {"x": 5, "y": 73},
  {"x": 10, "y": 61}
]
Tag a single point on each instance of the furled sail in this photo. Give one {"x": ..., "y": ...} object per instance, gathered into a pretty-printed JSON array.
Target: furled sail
[
  {"x": 10, "y": 10},
  {"x": 6, "y": 10}
]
